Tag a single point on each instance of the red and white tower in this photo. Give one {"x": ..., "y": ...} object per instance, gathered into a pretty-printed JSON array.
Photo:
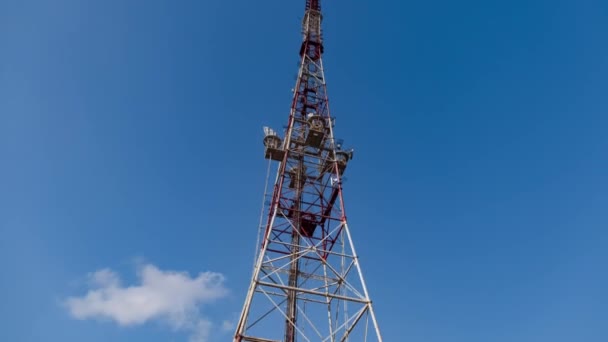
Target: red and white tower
[{"x": 307, "y": 283}]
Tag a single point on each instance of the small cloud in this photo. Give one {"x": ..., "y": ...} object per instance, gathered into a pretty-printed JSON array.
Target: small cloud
[
  {"x": 227, "y": 326},
  {"x": 104, "y": 278},
  {"x": 201, "y": 331},
  {"x": 168, "y": 296}
]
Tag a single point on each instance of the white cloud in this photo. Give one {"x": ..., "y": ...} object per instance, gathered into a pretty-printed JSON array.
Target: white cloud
[
  {"x": 201, "y": 331},
  {"x": 168, "y": 296},
  {"x": 227, "y": 326}
]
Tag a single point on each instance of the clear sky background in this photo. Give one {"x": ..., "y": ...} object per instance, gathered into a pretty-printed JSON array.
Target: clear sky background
[{"x": 130, "y": 135}]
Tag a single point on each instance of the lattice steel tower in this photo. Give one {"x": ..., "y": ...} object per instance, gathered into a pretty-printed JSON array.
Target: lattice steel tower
[{"x": 307, "y": 284}]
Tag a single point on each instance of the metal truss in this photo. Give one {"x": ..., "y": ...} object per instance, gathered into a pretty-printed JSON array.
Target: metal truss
[{"x": 307, "y": 283}]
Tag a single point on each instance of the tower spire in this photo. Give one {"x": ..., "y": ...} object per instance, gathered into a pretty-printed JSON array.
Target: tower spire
[{"x": 307, "y": 283}]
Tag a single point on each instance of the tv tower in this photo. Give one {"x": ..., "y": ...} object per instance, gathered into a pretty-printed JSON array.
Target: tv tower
[{"x": 307, "y": 283}]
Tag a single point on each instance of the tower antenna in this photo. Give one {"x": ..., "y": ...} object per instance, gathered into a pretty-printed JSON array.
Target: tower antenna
[{"x": 307, "y": 283}]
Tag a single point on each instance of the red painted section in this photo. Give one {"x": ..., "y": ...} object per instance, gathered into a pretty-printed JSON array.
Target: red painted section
[{"x": 313, "y": 4}]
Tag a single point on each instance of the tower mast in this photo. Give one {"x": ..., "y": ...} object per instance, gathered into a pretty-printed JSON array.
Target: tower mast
[{"x": 307, "y": 283}]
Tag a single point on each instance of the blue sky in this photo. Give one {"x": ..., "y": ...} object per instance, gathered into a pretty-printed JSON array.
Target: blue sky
[{"x": 130, "y": 135}]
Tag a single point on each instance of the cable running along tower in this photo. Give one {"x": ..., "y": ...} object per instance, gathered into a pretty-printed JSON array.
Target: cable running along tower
[{"x": 307, "y": 284}]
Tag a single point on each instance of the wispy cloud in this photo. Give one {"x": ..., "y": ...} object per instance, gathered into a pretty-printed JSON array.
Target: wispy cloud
[
  {"x": 168, "y": 296},
  {"x": 228, "y": 326}
]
